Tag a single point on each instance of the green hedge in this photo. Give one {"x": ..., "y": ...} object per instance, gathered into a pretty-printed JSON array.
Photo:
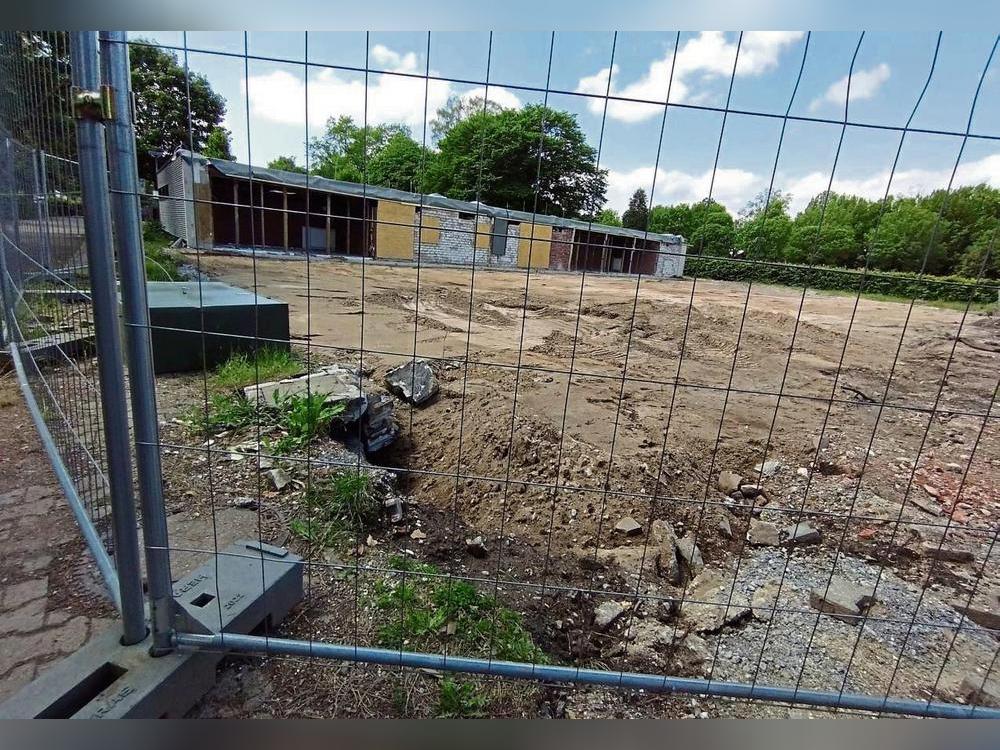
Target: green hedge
[{"x": 892, "y": 283}]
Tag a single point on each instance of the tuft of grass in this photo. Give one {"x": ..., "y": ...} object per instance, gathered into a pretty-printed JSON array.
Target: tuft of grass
[
  {"x": 225, "y": 412},
  {"x": 267, "y": 363},
  {"x": 161, "y": 263},
  {"x": 339, "y": 509},
  {"x": 422, "y": 608},
  {"x": 460, "y": 700},
  {"x": 304, "y": 417},
  {"x": 37, "y": 314}
]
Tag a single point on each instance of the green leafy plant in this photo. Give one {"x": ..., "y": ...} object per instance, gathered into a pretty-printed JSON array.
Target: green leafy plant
[
  {"x": 268, "y": 363},
  {"x": 338, "y": 509},
  {"x": 304, "y": 416},
  {"x": 460, "y": 700},
  {"x": 423, "y": 609}
]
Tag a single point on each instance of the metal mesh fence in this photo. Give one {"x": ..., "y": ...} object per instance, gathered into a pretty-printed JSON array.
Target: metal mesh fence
[
  {"x": 49, "y": 322},
  {"x": 517, "y": 442}
]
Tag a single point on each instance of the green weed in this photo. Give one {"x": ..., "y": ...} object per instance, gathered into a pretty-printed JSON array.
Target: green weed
[
  {"x": 460, "y": 700},
  {"x": 339, "y": 509},
  {"x": 161, "y": 263},
  {"x": 265, "y": 364},
  {"x": 421, "y": 610}
]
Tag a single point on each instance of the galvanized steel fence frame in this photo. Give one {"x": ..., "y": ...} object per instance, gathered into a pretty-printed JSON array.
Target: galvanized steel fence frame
[{"x": 82, "y": 162}]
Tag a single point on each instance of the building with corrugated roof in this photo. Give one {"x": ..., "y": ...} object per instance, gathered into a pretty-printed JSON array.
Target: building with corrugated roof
[{"x": 214, "y": 204}]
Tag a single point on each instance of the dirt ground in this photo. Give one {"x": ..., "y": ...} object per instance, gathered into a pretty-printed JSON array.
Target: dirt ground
[{"x": 567, "y": 405}]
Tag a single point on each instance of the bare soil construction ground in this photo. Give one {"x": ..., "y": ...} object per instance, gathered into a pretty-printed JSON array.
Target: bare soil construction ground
[{"x": 568, "y": 404}]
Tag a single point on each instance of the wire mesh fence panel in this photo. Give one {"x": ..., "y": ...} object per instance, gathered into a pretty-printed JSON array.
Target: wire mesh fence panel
[
  {"x": 47, "y": 297},
  {"x": 655, "y": 363}
]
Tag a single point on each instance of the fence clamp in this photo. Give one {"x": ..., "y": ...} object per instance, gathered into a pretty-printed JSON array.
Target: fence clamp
[{"x": 93, "y": 105}]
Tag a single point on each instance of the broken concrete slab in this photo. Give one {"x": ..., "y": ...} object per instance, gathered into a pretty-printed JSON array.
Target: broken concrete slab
[
  {"x": 279, "y": 478},
  {"x": 476, "y": 547},
  {"x": 628, "y": 526},
  {"x": 712, "y": 602},
  {"x": 763, "y": 534},
  {"x": 725, "y": 528},
  {"x": 412, "y": 381},
  {"x": 769, "y": 468},
  {"x": 606, "y": 613},
  {"x": 729, "y": 481},
  {"x": 338, "y": 383},
  {"x": 690, "y": 555},
  {"x": 378, "y": 427},
  {"x": 801, "y": 533},
  {"x": 842, "y": 599},
  {"x": 981, "y": 691},
  {"x": 937, "y": 551},
  {"x": 663, "y": 542}
]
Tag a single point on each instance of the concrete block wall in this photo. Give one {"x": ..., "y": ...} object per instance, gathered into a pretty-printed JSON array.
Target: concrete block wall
[
  {"x": 456, "y": 243},
  {"x": 670, "y": 261}
]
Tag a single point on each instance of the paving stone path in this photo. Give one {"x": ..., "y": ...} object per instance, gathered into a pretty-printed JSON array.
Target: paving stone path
[{"x": 51, "y": 601}]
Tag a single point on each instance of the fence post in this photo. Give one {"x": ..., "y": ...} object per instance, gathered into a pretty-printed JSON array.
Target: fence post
[
  {"x": 41, "y": 200},
  {"x": 89, "y": 112},
  {"x": 6, "y": 293},
  {"x": 123, "y": 167}
]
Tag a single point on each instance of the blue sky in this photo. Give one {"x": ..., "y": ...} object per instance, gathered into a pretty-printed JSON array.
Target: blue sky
[{"x": 888, "y": 75}]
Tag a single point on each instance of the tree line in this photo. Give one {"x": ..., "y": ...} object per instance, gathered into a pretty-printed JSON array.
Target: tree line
[{"x": 533, "y": 158}]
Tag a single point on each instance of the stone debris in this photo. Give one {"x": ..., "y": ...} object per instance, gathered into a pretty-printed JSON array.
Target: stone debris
[
  {"x": 663, "y": 543},
  {"x": 606, "y": 613},
  {"x": 476, "y": 547},
  {"x": 629, "y": 559},
  {"x": 751, "y": 491},
  {"x": 279, "y": 478},
  {"x": 981, "y": 691},
  {"x": 690, "y": 555},
  {"x": 337, "y": 382},
  {"x": 927, "y": 506},
  {"x": 769, "y": 468},
  {"x": 628, "y": 526},
  {"x": 712, "y": 603},
  {"x": 803, "y": 472},
  {"x": 763, "y": 534},
  {"x": 417, "y": 534},
  {"x": 984, "y": 611},
  {"x": 937, "y": 551},
  {"x": 246, "y": 503},
  {"x": 394, "y": 505},
  {"x": 378, "y": 427},
  {"x": 692, "y": 652},
  {"x": 764, "y": 598},
  {"x": 729, "y": 481},
  {"x": 801, "y": 533},
  {"x": 412, "y": 381},
  {"x": 842, "y": 599},
  {"x": 725, "y": 529}
]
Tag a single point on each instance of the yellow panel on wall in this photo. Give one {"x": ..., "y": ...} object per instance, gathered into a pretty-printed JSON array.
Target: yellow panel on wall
[
  {"x": 394, "y": 234},
  {"x": 430, "y": 230},
  {"x": 483, "y": 230},
  {"x": 534, "y": 245}
]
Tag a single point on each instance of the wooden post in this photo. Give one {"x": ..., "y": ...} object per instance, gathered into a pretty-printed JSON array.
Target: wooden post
[
  {"x": 604, "y": 253},
  {"x": 284, "y": 214},
  {"x": 236, "y": 209}
]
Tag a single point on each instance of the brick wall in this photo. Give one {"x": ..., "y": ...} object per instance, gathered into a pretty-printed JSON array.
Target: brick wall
[
  {"x": 561, "y": 250},
  {"x": 456, "y": 241}
]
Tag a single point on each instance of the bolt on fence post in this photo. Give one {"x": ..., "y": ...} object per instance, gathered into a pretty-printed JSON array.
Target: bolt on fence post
[
  {"x": 123, "y": 167},
  {"x": 89, "y": 113}
]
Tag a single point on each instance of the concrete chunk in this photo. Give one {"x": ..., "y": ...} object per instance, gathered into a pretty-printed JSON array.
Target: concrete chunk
[
  {"x": 842, "y": 599},
  {"x": 412, "y": 381}
]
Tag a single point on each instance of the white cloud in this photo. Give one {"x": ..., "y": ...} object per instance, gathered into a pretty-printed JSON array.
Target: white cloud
[
  {"x": 864, "y": 85},
  {"x": 708, "y": 55},
  {"x": 280, "y": 96},
  {"x": 734, "y": 187},
  {"x": 504, "y": 97}
]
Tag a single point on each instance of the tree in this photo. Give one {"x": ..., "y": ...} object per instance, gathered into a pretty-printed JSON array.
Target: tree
[
  {"x": 521, "y": 159},
  {"x": 345, "y": 150},
  {"x": 842, "y": 221},
  {"x": 608, "y": 217},
  {"x": 456, "y": 109},
  {"x": 173, "y": 108},
  {"x": 400, "y": 164},
  {"x": 907, "y": 234},
  {"x": 971, "y": 212},
  {"x": 764, "y": 227},
  {"x": 982, "y": 258},
  {"x": 286, "y": 163},
  {"x": 636, "y": 216},
  {"x": 217, "y": 144},
  {"x": 706, "y": 225}
]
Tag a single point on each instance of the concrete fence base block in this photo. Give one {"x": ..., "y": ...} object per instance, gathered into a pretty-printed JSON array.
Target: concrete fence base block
[{"x": 248, "y": 587}]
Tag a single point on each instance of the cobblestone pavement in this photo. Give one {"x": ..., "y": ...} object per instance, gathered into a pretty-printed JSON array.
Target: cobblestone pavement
[{"x": 51, "y": 597}]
